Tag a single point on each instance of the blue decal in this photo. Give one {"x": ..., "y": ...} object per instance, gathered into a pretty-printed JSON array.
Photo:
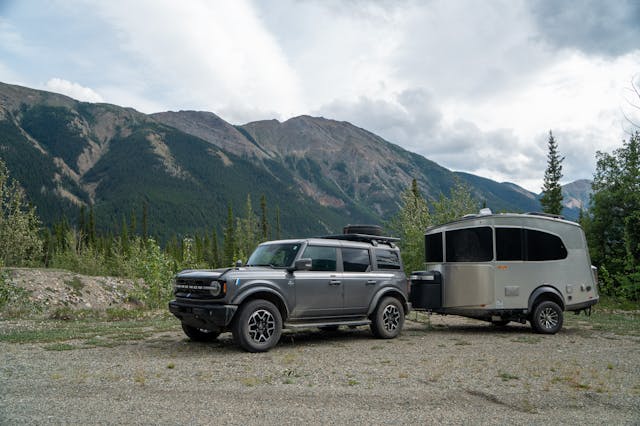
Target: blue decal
[{"x": 237, "y": 281}]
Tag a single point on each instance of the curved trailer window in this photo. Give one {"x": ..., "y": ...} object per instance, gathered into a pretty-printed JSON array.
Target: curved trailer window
[{"x": 470, "y": 245}]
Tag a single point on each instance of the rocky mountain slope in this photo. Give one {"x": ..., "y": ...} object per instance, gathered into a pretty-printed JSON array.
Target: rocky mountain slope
[{"x": 189, "y": 166}]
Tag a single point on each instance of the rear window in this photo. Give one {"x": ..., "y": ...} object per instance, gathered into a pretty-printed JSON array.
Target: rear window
[
  {"x": 433, "y": 248},
  {"x": 355, "y": 260},
  {"x": 544, "y": 246},
  {"x": 387, "y": 259},
  {"x": 528, "y": 244},
  {"x": 470, "y": 245}
]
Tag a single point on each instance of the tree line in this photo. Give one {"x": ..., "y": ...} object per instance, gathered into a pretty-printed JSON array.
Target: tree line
[{"x": 612, "y": 226}]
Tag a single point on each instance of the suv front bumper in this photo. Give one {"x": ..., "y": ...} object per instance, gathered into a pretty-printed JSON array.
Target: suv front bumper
[{"x": 203, "y": 316}]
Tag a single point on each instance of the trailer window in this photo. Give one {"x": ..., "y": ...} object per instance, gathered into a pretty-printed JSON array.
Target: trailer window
[
  {"x": 433, "y": 248},
  {"x": 387, "y": 259},
  {"x": 544, "y": 246},
  {"x": 470, "y": 245},
  {"x": 509, "y": 244}
]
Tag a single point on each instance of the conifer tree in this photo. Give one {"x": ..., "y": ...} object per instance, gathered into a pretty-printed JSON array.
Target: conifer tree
[
  {"x": 264, "y": 224},
  {"x": 229, "y": 244},
  {"x": 551, "y": 199}
]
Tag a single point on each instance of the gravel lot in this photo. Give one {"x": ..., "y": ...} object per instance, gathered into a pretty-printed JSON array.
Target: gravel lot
[{"x": 452, "y": 371}]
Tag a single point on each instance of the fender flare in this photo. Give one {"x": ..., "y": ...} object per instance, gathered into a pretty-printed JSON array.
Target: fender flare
[
  {"x": 385, "y": 292},
  {"x": 542, "y": 290},
  {"x": 241, "y": 297}
]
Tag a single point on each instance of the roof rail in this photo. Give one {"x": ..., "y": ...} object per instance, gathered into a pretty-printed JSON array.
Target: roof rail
[
  {"x": 364, "y": 238},
  {"x": 553, "y": 216}
]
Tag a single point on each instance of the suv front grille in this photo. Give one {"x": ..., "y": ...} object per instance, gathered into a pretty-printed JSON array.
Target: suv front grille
[{"x": 197, "y": 289}]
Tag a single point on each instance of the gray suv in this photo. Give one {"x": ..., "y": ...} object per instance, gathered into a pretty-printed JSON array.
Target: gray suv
[{"x": 325, "y": 282}]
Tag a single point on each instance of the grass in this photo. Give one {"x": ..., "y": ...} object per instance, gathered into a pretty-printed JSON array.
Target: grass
[
  {"x": 507, "y": 376},
  {"x": 84, "y": 333}
]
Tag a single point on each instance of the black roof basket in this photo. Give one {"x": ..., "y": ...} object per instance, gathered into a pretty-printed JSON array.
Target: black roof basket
[{"x": 364, "y": 238}]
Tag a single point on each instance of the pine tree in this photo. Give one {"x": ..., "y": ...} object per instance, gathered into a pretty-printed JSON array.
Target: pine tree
[
  {"x": 264, "y": 225},
  {"x": 551, "y": 199},
  {"x": 145, "y": 213},
  {"x": 409, "y": 224},
  {"x": 278, "y": 231},
  {"x": 229, "y": 244}
]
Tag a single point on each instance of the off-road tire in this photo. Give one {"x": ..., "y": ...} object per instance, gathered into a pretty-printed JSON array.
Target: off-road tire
[
  {"x": 257, "y": 326},
  {"x": 200, "y": 334},
  {"x": 388, "y": 318},
  {"x": 546, "y": 318}
]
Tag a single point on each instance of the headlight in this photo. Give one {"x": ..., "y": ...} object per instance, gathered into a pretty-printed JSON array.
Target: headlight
[{"x": 216, "y": 288}]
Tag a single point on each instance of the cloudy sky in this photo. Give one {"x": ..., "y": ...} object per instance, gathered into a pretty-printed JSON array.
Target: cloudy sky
[{"x": 475, "y": 86}]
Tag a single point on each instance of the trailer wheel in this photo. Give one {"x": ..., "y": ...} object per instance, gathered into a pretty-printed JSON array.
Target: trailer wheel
[{"x": 547, "y": 318}]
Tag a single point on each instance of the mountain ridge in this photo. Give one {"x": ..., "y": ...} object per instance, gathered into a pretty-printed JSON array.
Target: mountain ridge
[{"x": 188, "y": 166}]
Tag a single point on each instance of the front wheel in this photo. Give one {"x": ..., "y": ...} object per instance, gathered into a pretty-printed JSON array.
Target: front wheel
[
  {"x": 388, "y": 319},
  {"x": 547, "y": 318},
  {"x": 258, "y": 326},
  {"x": 200, "y": 334}
]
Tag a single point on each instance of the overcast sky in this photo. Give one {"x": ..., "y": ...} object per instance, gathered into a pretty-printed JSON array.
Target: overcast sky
[{"x": 473, "y": 85}]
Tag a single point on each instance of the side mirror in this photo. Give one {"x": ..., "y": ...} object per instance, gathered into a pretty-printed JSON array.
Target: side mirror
[
  {"x": 238, "y": 263},
  {"x": 301, "y": 265}
]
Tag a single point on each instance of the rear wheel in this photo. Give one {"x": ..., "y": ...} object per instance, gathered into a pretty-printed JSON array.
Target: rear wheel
[
  {"x": 258, "y": 326},
  {"x": 388, "y": 318},
  {"x": 200, "y": 334},
  {"x": 547, "y": 318}
]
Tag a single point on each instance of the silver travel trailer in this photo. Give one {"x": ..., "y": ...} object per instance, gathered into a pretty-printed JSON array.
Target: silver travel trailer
[{"x": 507, "y": 267}]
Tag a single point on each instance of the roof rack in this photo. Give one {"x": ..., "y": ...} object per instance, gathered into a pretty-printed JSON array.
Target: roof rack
[
  {"x": 553, "y": 216},
  {"x": 373, "y": 239}
]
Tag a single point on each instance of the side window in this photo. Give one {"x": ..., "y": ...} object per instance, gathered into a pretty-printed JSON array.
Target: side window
[
  {"x": 509, "y": 244},
  {"x": 433, "y": 247},
  {"x": 387, "y": 259},
  {"x": 323, "y": 258},
  {"x": 355, "y": 260},
  {"x": 470, "y": 245},
  {"x": 544, "y": 246}
]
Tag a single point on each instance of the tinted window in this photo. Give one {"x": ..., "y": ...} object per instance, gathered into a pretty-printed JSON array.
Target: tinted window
[
  {"x": 433, "y": 247},
  {"x": 323, "y": 258},
  {"x": 470, "y": 245},
  {"x": 355, "y": 260},
  {"x": 387, "y": 259},
  {"x": 544, "y": 246},
  {"x": 509, "y": 244}
]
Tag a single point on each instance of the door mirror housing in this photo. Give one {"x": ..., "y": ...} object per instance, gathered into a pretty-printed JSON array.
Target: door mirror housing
[{"x": 301, "y": 265}]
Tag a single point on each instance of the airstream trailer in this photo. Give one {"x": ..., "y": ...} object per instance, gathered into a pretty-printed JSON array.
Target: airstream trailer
[{"x": 506, "y": 267}]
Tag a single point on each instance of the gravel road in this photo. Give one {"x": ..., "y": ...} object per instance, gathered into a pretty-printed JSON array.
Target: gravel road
[{"x": 453, "y": 371}]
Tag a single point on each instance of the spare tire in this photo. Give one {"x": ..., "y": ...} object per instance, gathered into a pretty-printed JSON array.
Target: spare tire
[{"x": 363, "y": 229}]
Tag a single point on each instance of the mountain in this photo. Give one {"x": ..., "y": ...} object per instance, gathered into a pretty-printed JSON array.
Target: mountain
[
  {"x": 189, "y": 166},
  {"x": 576, "y": 196}
]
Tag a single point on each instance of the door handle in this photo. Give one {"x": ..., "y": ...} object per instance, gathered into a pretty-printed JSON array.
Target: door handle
[
  {"x": 372, "y": 282},
  {"x": 335, "y": 282}
]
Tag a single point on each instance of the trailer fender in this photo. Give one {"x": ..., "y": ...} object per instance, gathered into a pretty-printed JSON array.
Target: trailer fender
[{"x": 549, "y": 292}]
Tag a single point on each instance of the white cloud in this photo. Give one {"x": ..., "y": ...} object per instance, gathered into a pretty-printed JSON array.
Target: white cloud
[
  {"x": 206, "y": 55},
  {"x": 74, "y": 90}
]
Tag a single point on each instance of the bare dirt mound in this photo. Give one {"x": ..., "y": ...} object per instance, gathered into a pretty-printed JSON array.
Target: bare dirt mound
[{"x": 54, "y": 288}]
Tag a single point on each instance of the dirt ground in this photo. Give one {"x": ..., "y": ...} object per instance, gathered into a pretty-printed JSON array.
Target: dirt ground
[{"x": 449, "y": 371}]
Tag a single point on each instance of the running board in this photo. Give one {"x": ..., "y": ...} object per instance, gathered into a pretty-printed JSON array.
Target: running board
[{"x": 353, "y": 323}]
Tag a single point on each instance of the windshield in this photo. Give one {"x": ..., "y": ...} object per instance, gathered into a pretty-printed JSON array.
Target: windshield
[{"x": 274, "y": 255}]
